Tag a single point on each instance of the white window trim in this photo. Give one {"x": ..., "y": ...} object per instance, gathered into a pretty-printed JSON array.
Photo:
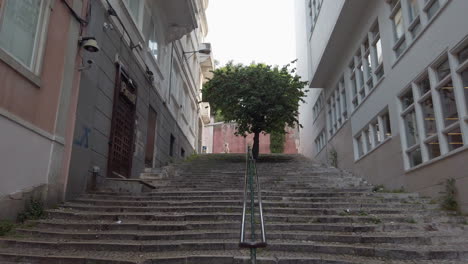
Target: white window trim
[
  {"x": 442, "y": 129},
  {"x": 373, "y": 144},
  {"x": 32, "y": 73}
]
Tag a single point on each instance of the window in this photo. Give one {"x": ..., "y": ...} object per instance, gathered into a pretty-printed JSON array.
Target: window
[
  {"x": 337, "y": 113},
  {"x": 317, "y": 106},
  {"x": 372, "y": 135},
  {"x": 443, "y": 70},
  {"x": 413, "y": 9},
  {"x": 432, "y": 126},
  {"x": 376, "y": 50},
  {"x": 134, "y": 7},
  {"x": 366, "y": 67},
  {"x": 387, "y": 129},
  {"x": 431, "y": 8},
  {"x": 454, "y": 138},
  {"x": 150, "y": 32},
  {"x": 314, "y": 10},
  {"x": 462, "y": 56},
  {"x": 182, "y": 153},
  {"x": 448, "y": 103},
  {"x": 398, "y": 28},
  {"x": 171, "y": 146},
  {"x": 398, "y": 24},
  {"x": 360, "y": 146},
  {"x": 320, "y": 141},
  {"x": 411, "y": 129},
  {"x": 20, "y": 26},
  {"x": 415, "y": 22}
]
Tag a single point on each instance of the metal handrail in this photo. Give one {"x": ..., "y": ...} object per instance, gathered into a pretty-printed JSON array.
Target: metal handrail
[{"x": 250, "y": 174}]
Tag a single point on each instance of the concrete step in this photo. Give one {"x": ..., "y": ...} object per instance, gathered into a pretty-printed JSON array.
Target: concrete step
[
  {"x": 343, "y": 211},
  {"x": 282, "y": 204},
  {"x": 128, "y": 225},
  {"x": 388, "y": 251},
  {"x": 421, "y": 237},
  {"x": 201, "y": 257}
]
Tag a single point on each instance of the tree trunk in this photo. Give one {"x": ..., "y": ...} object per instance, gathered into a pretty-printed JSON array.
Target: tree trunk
[{"x": 256, "y": 145}]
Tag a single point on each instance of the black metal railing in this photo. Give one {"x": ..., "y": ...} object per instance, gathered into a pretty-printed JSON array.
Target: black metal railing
[{"x": 251, "y": 179}]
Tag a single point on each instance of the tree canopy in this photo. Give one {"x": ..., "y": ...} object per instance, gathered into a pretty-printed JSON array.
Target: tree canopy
[{"x": 260, "y": 98}]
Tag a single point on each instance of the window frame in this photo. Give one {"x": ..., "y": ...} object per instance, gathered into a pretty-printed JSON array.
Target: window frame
[
  {"x": 367, "y": 137},
  {"x": 32, "y": 72},
  {"x": 442, "y": 134}
]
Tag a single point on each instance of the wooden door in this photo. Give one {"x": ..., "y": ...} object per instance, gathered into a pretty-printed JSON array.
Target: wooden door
[
  {"x": 121, "y": 143},
  {"x": 150, "y": 137}
]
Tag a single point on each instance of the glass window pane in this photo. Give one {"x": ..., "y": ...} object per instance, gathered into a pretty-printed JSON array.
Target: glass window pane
[
  {"x": 360, "y": 80},
  {"x": 429, "y": 117},
  {"x": 464, "y": 76},
  {"x": 398, "y": 24},
  {"x": 19, "y": 26},
  {"x": 411, "y": 129},
  {"x": 416, "y": 29},
  {"x": 387, "y": 127},
  {"x": 415, "y": 157},
  {"x": 443, "y": 70},
  {"x": 343, "y": 96},
  {"x": 360, "y": 146},
  {"x": 433, "y": 9},
  {"x": 407, "y": 99},
  {"x": 433, "y": 148},
  {"x": 413, "y": 9},
  {"x": 134, "y": 6},
  {"x": 400, "y": 49},
  {"x": 367, "y": 61},
  {"x": 377, "y": 135},
  {"x": 379, "y": 73},
  {"x": 424, "y": 86},
  {"x": 449, "y": 106},
  {"x": 463, "y": 55},
  {"x": 378, "y": 47},
  {"x": 454, "y": 139},
  {"x": 368, "y": 138}
]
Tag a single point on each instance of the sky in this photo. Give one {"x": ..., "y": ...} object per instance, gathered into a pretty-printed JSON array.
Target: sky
[{"x": 252, "y": 30}]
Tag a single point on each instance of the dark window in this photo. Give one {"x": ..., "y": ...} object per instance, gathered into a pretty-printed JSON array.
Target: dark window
[
  {"x": 171, "y": 146},
  {"x": 182, "y": 153}
]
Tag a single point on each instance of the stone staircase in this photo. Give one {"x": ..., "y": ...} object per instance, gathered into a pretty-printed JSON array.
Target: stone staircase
[{"x": 313, "y": 214}]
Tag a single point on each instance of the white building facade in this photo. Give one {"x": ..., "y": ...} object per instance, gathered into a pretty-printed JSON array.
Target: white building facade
[{"x": 389, "y": 97}]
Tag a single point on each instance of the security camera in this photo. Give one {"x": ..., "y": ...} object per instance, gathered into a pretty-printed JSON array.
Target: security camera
[{"x": 88, "y": 66}]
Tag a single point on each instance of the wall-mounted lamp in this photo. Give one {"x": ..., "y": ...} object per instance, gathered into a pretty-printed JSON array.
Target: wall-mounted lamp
[
  {"x": 206, "y": 51},
  {"x": 149, "y": 74},
  {"x": 89, "y": 44}
]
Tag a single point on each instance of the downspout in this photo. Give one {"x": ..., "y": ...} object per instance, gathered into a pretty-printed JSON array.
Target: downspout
[{"x": 170, "y": 72}]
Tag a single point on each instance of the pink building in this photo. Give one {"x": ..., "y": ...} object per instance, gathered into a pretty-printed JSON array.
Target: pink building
[
  {"x": 39, "y": 79},
  {"x": 225, "y": 141}
]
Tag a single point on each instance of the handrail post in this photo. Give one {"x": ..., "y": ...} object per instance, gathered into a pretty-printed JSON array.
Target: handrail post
[{"x": 251, "y": 176}]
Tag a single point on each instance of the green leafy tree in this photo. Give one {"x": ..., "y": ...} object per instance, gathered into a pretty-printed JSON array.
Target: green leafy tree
[{"x": 258, "y": 97}]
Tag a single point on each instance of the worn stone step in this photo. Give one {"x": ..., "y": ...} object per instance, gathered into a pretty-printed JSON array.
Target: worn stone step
[
  {"x": 202, "y": 257},
  {"x": 396, "y": 252},
  {"x": 421, "y": 238},
  {"x": 297, "y": 204},
  {"x": 237, "y": 208},
  {"x": 184, "y": 216},
  {"x": 219, "y": 225}
]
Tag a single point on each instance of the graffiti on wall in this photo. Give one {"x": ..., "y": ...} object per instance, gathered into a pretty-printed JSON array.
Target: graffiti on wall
[{"x": 82, "y": 138}]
